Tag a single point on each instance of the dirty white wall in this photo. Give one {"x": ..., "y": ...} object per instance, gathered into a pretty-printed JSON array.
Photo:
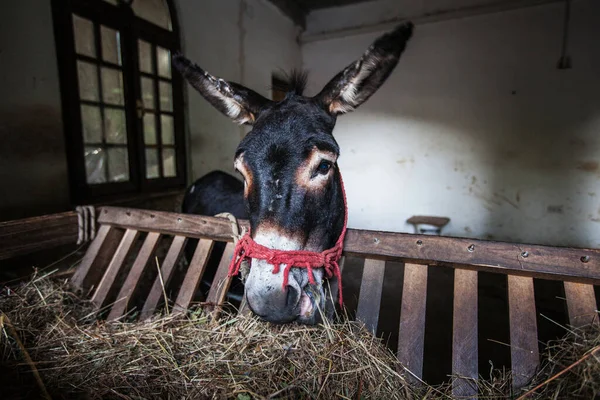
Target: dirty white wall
[
  {"x": 479, "y": 125},
  {"x": 33, "y": 165},
  {"x": 245, "y": 41}
]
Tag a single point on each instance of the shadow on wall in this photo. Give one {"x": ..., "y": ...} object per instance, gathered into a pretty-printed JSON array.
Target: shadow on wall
[{"x": 33, "y": 166}]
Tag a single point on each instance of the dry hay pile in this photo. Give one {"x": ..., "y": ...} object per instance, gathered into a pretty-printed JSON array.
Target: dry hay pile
[{"x": 238, "y": 357}]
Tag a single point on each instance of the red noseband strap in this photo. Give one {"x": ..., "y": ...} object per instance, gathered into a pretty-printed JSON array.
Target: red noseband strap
[{"x": 247, "y": 248}]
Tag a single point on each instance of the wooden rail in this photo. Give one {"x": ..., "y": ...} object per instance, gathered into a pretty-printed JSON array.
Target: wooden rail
[
  {"x": 25, "y": 236},
  {"x": 120, "y": 228}
]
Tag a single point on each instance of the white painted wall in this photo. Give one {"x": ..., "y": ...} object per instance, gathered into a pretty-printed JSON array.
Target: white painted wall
[
  {"x": 239, "y": 40},
  {"x": 479, "y": 125}
]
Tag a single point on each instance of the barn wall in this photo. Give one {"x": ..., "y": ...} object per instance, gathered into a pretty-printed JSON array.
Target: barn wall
[
  {"x": 479, "y": 125},
  {"x": 33, "y": 166},
  {"x": 241, "y": 40}
]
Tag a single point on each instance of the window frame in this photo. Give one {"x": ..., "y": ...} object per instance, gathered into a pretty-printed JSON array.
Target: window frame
[{"x": 131, "y": 28}]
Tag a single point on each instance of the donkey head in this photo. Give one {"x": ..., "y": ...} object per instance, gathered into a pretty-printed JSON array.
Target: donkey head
[{"x": 292, "y": 185}]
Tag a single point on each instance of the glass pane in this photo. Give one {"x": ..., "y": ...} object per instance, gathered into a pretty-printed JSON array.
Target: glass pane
[
  {"x": 145, "y": 56},
  {"x": 166, "y": 97},
  {"x": 95, "y": 164},
  {"x": 112, "y": 86},
  {"x": 83, "y": 30},
  {"x": 118, "y": 164},
  {"x": 87, "y": 76},
  {"x": 169, "y": 168},
  {"x": 167, "y": 131},
  {"x": 148, "y": 92},
  {"x": 152, "y": 163},
  {"x": 114, "y": 126},
  {"x": 149, "y": 128},
  {"x": 155, "y": 11},
  {"x": 91, "y": 124},
  {"x": 111, "y": 45},
  {"x": 163, "y": 61}
]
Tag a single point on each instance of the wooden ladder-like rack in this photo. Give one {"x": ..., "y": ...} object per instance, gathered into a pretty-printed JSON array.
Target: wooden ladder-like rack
[{"x": 579, "y": 269}]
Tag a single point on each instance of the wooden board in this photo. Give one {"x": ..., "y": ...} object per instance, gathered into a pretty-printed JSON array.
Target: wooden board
[
  {"x": 221, "y": 281},
  {"x": 97, "y": 258},
  {"x": 369, "y": 298},
  {"x": 127, "y": 291},
  {"x": 464, "y": 339},
  {"x": 541, "y": 261},
  {"x": 28, "y": 235},
  {"x": 189, "y": 225},
  {"x": 106, "y": 283},
  {"x": 166, "y": 273},
  {"x": 193, "y": 276},
  {"x": 524, "y": 351},
  {"x": 411, "y": 335},
  {"x": 579, "y": 265},
  {"x": 581, "y": 303}
]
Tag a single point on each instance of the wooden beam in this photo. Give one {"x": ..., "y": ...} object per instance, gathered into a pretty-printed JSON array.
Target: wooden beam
[
  {"x": 464, "y": 335},
  {"x": 118, "y": 259},
  {"x": 561, "y": 263},
  {"x": 581, "y": 303},
  {"x": 164, "y": 277},
  {"x": 369, "y": 298},
  {"x": 524, "y": 352},
  {"x": 97, "y": 257},
  {"x": 28, "y": 235},
  {"x": 169, "y": 223},
  {"x": 134, "y": 276},
  {"x": 411, "y": 333},
  {"x": 193, "y": 276}
]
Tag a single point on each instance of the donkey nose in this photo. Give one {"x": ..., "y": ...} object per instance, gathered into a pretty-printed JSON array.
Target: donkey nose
[
  {"x": 277, "y": 305},
  {"x": 266, "y": 295}
]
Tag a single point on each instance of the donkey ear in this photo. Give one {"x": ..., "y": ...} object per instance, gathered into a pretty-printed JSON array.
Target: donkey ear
[
  {"x": 355, "y": 84},
  {"x": 232, "y": 99}
]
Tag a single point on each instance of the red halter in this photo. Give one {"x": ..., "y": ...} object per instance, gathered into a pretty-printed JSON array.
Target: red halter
[{"x": 246, "y": 247}]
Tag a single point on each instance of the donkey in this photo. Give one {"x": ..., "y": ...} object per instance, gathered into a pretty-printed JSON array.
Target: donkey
[{"x": 292, "y": 187}]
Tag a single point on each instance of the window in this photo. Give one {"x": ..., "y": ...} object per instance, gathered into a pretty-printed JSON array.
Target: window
[{"x": 122, "y": 106}]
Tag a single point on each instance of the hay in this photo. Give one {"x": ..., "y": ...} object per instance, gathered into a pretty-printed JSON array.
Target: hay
[{"x": 239, "y": 357}]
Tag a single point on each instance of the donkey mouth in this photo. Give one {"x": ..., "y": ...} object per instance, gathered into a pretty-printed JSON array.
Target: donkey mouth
[{"x": 306, "y": 305}]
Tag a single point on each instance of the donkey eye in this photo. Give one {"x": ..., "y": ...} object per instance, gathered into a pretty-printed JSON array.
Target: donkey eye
[{"x": 324, "y": 167}]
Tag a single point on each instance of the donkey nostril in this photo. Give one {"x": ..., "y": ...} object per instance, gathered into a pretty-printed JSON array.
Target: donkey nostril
[{"x": 292, "y": 295}]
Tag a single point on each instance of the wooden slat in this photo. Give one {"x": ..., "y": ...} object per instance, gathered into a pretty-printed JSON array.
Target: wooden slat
[
  {"x": 96, "y": 259},
  {"x": 464, "y": 338},
  {"x": 221, "y": 282},
  {"x": 524, "y": 351},
  {"x": 369, "y": 298},
  {"x": 133, "y": 277},
  {"x": 193, "y": 276},
  {"x": 581, "y": 303},
  {"x": 333, "y": 288},
  {"x": 411, "y": 334},
  {"x": 541, "y": 261},
  {"x": 580, "y": 265},
  {"x": 166, "y": 273},
  {"x": 189, "y": 225},
  {"x": 28, "y": 235},
  {"x": 115, "y": 265}
]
